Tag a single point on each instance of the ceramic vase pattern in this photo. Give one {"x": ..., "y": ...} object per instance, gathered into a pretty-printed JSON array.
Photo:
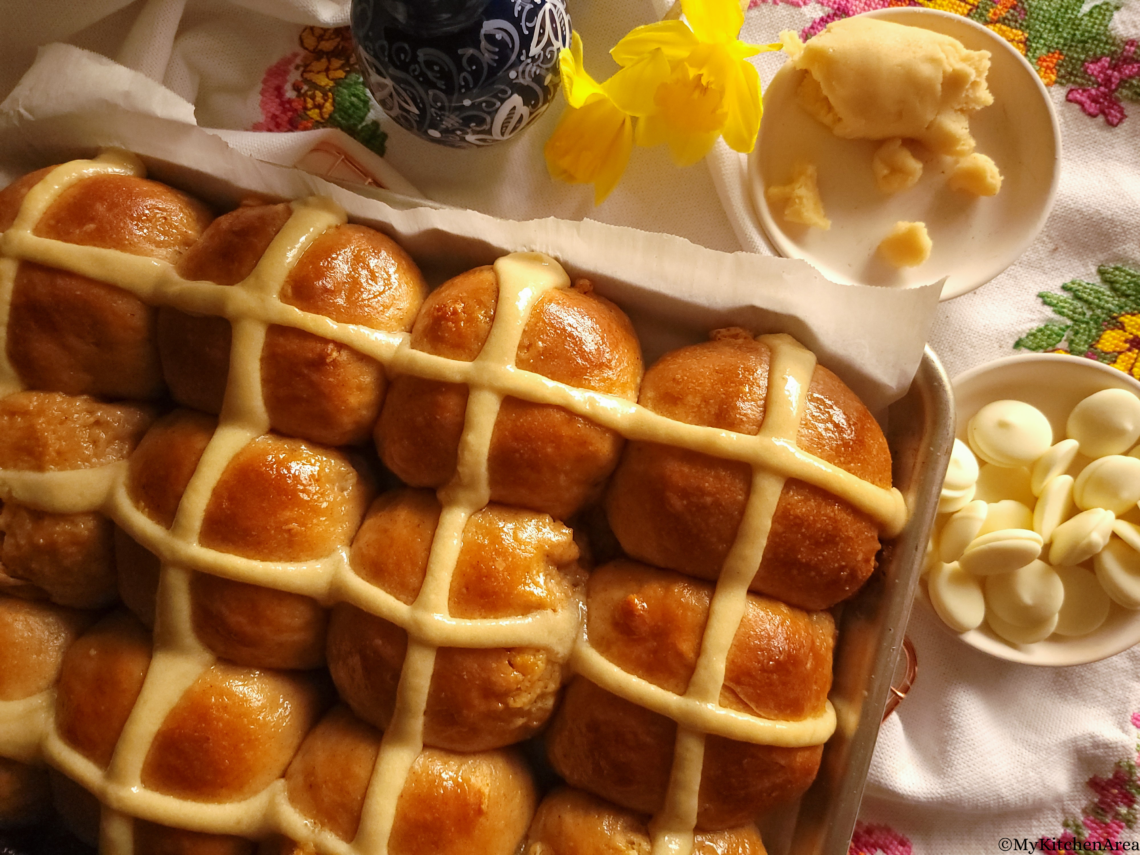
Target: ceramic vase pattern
[{"x": 480, "y": 85}]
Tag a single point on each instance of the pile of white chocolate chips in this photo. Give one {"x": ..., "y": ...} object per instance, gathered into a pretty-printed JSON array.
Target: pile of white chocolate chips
[{"x": 1042, "y": 537}]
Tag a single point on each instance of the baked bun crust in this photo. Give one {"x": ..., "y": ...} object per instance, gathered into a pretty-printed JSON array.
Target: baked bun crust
[
  {"x": 542, "y": 457},
  {"x": 152, "y": 839},
  {"x": 512, "y": 563},
  {"x": 102, "y": 676},
  {"x": 232, "y": 733},
  {"x": 650, "y": 622},
  {"x": 572, "y": 822},
  {"x": 681, "y": 509},
  {"x": 67, "y": 558},
  {"x": 314, "y": 389},
  {"x": 278, "y": 499},
  {"x": 34, "y": 637},
  {"x": 451, "y": 803},
  {"x": 68, "y": 333}
]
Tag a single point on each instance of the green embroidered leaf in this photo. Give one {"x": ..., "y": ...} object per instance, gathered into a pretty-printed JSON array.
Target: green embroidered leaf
[
  {"x": 1045, "y": 337},
  {"x": 1096, "y": 296},
  {"x": 1123, "y": 280},
  {"x": 1082, "y": 334},
  {"x": 1064, "y": 306},
  {"x": 1080, "y": 36},
  {"x": 351, "y": 110},
  {"x": 351, "y": 104},
  {"x": 373, "y": 137}
]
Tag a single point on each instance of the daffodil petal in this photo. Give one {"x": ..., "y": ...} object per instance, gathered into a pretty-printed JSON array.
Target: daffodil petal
[
  {"x": 673, "y": 38},
  {"x": 649, "y": 131},
  {"x": 714, "y": 21},
  {"x": 687, "y": 149},
  {"x": 743, "y": 50},
  {"x": 576, "y": 83},
  {"x": 586, "y": 143},
  {"x": 614, "y": 166},
  {"x": 744, "y": 107},
  {"x": 633, "y": 88}
]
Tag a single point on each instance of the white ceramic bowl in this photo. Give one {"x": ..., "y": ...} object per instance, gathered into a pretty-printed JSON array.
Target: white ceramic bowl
[
  {"x": 974, "y": 239},
  {"x": 1054, "y": 383}
]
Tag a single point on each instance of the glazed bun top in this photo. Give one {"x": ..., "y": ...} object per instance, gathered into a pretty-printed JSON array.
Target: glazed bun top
[
  {"x": 682, "y": 509},
  {"x": 68, "y": 333},
  {"x": 541, "y": 456}
]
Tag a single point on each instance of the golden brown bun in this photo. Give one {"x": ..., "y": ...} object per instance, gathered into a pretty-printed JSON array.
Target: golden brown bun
[
  {"x": 571, "y": 822},
  {"x": 278, "y": 499},
  {"x": 258, "y": 627},
  {"x": 34, "y": 637},
  {"x": 25, "y": 797},
  {"x": 68, "y": 558},
  {"x": 542, "y": 457},
  {"x": 138, "y": 574},
  {"x": 513, "y": 562},
  {"x": 152, "y": 839},
  {"x": 451, "y": 804},
  {"x": 71, "y": 334},
  {"x": 314, "y": 388},
  {"x": 681, "y": 509},
  {"x": 49, "y": 432},
  {"x": 649, "y": 622},
  {"x": 102, "y": 676},
  {"x": 232, "y": 733}
]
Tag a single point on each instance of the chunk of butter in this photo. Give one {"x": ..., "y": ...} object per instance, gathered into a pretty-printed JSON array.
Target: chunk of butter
[
  {"x": 908, "y": 245},
  {"x": 976, "y": 175},
  {"x": 872, "y": 79},
  {"x": 800, "y": 197},
  {"x": 895, "y": 167}
]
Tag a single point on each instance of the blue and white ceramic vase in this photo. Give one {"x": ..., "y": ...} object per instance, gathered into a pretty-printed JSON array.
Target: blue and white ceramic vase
[{"x": 461, "y": 72}]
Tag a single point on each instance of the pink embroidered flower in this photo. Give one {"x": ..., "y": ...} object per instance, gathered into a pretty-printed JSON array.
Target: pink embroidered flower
[
  {"x": 877, "y": 840},
  {"x": 1101, "y": 100},
  {"x": 1136, "y": 720}
]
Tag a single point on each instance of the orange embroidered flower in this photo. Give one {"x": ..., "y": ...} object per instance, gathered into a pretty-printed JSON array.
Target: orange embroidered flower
[
  {"x": 324, "y": 39},
  {"x": 1047, "y": 66},
  {"x": 1124, "y": 341},
  {"x": 325, "y": 71}
]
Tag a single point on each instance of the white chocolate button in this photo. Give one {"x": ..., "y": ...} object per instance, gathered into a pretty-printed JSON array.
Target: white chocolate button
[
  {"x": 1027, "y": 596},
  {"x": 998, "y": 482},
  {"x": 1111, "y": 482},
  {"x": 1021, "y": 634},
  {"x": 1086, "y": 603},
  {"x": 957, "y": 597},
  {"x": 1010, "y": 433},
  {"x": 1054, "y": 506},
  {"x": 952, "y": 501},
  {"x": 959, "y": 530},
  {"x": 1052, "y": 463},
  {"x": 1001, "y": 552},
  {"x": 1118, "y": 569},
  {"x": 1128, "y": 532},
  {"x": 1106, "y": 422},
  {"x": 963, "y": 469},
  {"x": 1008, "y": 513},
  {"x": 1082, "y": 537}
]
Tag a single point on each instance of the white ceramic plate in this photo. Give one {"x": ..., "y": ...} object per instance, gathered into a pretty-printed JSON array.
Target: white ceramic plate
[
  {"x": 974, "y": 239},
  {"x": 1053, "y": 383}
]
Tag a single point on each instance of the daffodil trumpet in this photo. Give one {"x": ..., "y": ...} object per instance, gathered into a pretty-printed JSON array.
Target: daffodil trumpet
[{"x": 682, "y": 83}]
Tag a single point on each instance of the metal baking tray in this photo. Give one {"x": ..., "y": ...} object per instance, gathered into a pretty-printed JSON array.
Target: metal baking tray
[{"x": 872, "y": 625}]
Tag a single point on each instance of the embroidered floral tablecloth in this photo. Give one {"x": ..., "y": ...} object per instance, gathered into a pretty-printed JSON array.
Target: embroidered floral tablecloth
[{"x": 983, "y": 756}]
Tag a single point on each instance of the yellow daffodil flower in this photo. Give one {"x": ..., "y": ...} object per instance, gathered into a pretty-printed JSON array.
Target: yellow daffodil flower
[
  {"x": 682, "y": 83},
  {"x": 594, "y": 138},
  {"x": 711, "y": 91}
]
